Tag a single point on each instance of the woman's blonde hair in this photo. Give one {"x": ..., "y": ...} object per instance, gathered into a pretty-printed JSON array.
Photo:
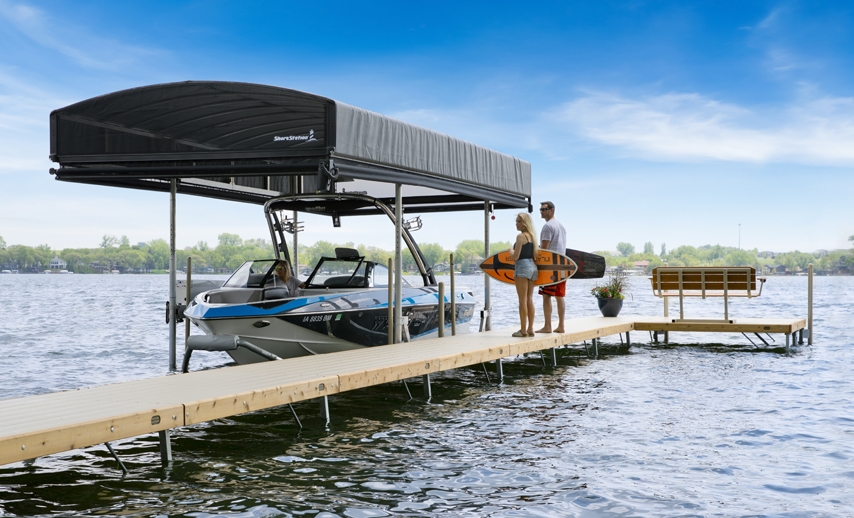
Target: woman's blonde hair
[
  {"x": 528, "y": 225},
  {"x": 287, "y": 268}
]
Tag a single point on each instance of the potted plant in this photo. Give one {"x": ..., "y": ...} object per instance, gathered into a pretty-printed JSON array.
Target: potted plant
[{"x": 610, "y": 295}]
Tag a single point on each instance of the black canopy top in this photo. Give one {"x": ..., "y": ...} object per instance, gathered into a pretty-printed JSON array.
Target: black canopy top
[{"x": 248, "y": 142}]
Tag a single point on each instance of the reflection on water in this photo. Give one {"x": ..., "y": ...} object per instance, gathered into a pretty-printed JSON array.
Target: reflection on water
[{"x": 717, "y": 428}]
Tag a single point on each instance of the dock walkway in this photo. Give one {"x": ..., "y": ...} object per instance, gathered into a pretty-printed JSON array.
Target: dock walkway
[{"x": 51, "y": 423}]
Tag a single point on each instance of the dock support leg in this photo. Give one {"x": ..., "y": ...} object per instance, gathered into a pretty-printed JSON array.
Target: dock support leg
[
  {"x": 324, "y": 408},
  {"x": 121, "y": 464},
  {"x": 667, "y": 337},
  {"x": 165, "y": 447},
  {"x": 801, "y": 337},
  {"x": 483, "y": 364},
  {"x": 406, "y": 386},
  {"x": 787, "y": 342},
  {"x": 294, "y": 412},
  {"x": 428, "y": 393},
  {"x": 595, "y": 347},
  {"x": 628, "y": 339},
  {"x": 554, "y": 357},
  {"x": 500, "y": 368}
]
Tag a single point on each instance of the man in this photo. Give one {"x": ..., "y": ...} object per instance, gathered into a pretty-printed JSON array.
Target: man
[{"x": 553, "y": 237}]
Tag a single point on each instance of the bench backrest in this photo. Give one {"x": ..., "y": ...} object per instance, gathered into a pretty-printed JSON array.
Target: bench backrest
[{"x": 738, "y": 278}]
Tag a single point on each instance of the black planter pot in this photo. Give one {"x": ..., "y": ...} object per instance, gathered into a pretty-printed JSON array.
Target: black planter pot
[{"x": 610, "y": 307}]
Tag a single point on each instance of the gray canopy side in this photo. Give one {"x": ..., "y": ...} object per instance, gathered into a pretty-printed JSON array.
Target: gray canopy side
[
  {"x": 251, "y": 143},
  {"x": 372, "y": 137}
]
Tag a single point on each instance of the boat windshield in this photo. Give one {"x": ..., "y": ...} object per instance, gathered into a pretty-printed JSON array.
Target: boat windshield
[
  {"x": 339, "y": 272},
  {"x": 250, "y": 275}
]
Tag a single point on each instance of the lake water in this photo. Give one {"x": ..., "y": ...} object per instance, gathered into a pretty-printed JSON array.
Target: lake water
[{"x": 708, "y": 425}]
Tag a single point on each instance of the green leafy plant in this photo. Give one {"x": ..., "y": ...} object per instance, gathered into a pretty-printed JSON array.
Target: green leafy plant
[{"x": 615, "y": 288}]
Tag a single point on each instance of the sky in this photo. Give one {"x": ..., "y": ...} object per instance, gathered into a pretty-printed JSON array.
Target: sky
[{"x": 685, "y": 123}]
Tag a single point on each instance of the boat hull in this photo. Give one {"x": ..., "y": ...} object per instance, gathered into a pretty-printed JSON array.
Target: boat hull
[{"x": 320, "y": 325}]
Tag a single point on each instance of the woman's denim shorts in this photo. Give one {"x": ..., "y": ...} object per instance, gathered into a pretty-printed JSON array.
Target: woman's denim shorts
[{"x": 526, "y": 268}]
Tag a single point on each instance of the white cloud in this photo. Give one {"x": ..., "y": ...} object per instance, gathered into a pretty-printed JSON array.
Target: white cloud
[{"x": 690, "y": 127}]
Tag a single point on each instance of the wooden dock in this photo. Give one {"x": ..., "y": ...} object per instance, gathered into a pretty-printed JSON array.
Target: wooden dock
[{"x": 51, "y": 423}]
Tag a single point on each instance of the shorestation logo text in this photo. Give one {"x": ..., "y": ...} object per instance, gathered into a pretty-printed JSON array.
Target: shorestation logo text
[{"x": 304, "y": 138}]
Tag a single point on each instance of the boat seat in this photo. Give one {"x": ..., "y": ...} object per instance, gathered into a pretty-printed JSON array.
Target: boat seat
[
  {"x": 254, "y": 280},
  {"x": 281, "y": 292}
]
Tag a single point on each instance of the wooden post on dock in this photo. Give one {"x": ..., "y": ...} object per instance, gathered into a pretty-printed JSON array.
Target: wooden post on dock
[{"x": 809, "y": 310}]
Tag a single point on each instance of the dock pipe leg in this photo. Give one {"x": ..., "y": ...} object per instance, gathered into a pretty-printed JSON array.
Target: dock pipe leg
[
  {"x": 406, "y": 386},
  {"x": 165, "y": 447},
  {"x": 296, "y": 418},
  {"x": 121, "y": 464},
  {"x": 428, "y": 393},
  {"x": 628, "y": 339},
  {"x": 595, "y": 347},
  {"x": 324, "y": 408},
  {"x": 787, "y": 342},
  {"x": 500, "y": 369},
  {"x": 482, "y": 364},
  {"x": 801, "y": 337},
  {"x": 554, "y": 357}
]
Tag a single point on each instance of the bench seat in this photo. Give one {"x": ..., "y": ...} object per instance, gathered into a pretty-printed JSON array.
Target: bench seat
[{"x": 705, "y": 281}]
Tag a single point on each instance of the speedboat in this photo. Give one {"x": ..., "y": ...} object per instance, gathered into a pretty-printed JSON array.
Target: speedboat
[{"x": 343, "y": 306}]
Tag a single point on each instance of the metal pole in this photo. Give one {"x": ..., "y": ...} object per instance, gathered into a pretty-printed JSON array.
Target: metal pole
[
  {"x": 453, "y": 301},
  {"x": 390, "y": 303},
  {"x": 809, "y": 310},
  {"x": 398, "y": 260},
  {"x": 441, "y": 309},
  {"x": 173, "y": 326},
  {"x": 486, "y": 295},
  {"x": 188, "y": 298},
  {"x": 296, "y": 246},
  {"x": 165, "y": 444}
]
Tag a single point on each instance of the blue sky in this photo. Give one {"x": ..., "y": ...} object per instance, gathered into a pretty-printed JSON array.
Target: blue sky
[{"x": 670, "y": 122}]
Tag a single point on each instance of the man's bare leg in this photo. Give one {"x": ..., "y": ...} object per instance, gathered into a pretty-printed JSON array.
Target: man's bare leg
[
  {"x": 561, "y": 310},
  {"x": 547, "y": 313}
]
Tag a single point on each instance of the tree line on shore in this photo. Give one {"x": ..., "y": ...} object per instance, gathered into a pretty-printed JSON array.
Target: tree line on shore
[{"x": 232, "y": 251}]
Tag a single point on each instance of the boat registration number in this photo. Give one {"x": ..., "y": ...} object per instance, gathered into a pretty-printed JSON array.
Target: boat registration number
[{"x": 316, "y": 318}]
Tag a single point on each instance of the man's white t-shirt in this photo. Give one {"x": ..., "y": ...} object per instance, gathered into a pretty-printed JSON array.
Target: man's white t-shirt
[{"x": 555, "y": 234}]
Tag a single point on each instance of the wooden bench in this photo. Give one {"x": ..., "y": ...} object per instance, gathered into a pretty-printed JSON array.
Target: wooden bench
[{"x": 702, "y": 281}]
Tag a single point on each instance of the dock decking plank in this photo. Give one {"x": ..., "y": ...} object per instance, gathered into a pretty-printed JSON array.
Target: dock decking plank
[{"x": 50, "y": 423}]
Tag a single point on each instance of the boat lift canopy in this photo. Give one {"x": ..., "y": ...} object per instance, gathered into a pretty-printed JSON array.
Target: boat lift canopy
[
  {"x": 255, "y": 143},
  {"x": 250, "y": 143}
]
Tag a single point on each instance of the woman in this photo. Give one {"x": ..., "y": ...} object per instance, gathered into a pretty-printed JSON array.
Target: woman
[
  {"x": 523, "y": 253},
  {"x": 283, "y": 272}
]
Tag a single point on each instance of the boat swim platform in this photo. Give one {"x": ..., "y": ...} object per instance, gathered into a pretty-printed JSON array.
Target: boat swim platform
[{"x": 34, "y": 426}]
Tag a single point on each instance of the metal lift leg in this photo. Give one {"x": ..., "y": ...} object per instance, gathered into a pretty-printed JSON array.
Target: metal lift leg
[
  {"x": 121, "y": 464},
  {"x": 324, "y": 408},
  {"x": 165, "y": 447},
  {"x": 428, "y": 393}
]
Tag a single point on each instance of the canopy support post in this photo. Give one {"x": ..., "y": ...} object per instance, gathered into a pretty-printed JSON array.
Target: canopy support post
[
  {"x": 487, "y": 302},
  {"x": 173, "y": 331},
  {"x": 296, "y": 247},
  {"x": 398, "y": 259}
]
